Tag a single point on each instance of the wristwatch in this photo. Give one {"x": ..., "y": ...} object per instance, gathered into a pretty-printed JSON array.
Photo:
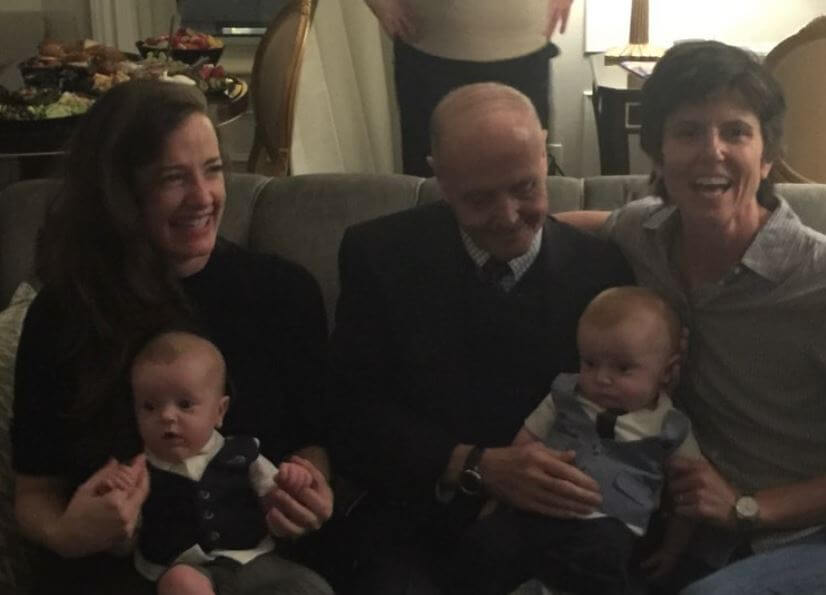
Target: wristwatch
[
  {"x": 747, "y": 513},
  {"x": 470, "y": 479}
]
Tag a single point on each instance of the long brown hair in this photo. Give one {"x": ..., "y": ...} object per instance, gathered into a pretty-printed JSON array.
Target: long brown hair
[{"x": 115, "y": 287}]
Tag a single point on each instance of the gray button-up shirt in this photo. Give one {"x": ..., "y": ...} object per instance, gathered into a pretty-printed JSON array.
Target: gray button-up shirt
[{"x": 755, "y": 382}]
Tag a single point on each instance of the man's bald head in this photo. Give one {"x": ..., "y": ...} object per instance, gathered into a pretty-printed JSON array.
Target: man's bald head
[
  {"x": 470, "y": 105},
  {"x": 490, "y": 160}
]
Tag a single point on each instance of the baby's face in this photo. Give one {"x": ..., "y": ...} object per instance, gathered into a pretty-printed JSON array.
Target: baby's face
[
  {"x": 623, "y": 366},
  {"x": 177, "y": 405}
]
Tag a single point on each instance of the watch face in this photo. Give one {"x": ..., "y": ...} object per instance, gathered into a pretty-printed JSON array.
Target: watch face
[
  {"x": 470, "y": 482},
  {"x": 747, "y": 508}
]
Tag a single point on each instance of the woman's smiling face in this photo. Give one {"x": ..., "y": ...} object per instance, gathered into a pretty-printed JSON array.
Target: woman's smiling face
[
  {"x": 712, "y": 158},
  {"x": 183, "y": 195}
]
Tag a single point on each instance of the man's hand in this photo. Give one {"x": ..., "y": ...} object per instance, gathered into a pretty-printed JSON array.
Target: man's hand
[
  {"x": 94, "y": 521},
  {"x": 395, "y": 17},
  {"x": 558, "y": 11},
  {"x": 537, "y": 479},
  {"x": 293, "y": 515},
  {"x": 700, "y": 492}
]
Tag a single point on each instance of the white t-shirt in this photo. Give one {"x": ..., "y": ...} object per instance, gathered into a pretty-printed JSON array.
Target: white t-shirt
[{"x": 479, "y": 30}]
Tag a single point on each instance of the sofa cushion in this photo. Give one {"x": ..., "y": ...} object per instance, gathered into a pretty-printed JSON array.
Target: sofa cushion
[{"x": 14, "y": 566}]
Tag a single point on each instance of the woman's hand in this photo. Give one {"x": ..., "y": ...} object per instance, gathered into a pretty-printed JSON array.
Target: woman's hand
[
  {"x": 293, "y": 515},
  {"x": 538, "y": 479},
  {"x": 700, "y": 492},
  {"x": 395, "y": 18},
  {"x": 98, "y": 519},
  {"x": 558, "y": 11}
]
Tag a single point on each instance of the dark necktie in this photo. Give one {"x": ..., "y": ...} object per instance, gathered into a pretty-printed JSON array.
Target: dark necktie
[
  {"x": 495, "y": 272},
  {"x": 606, "y": 420}
]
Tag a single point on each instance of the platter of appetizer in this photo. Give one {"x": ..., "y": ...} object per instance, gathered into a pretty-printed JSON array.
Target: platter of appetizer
[
  {"x": 185, "y": 44},
  {"x": 64, "y": 79}
]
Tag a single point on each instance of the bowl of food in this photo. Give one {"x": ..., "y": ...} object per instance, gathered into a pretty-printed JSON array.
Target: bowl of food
[
  {"x": 70, "y": 65},
  {"x": 186, "y": 45}
]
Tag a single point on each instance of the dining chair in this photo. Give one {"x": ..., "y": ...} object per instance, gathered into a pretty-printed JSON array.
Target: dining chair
[
  {"x": 274, "y": 82},
  {"x": 799, "y": 63}
]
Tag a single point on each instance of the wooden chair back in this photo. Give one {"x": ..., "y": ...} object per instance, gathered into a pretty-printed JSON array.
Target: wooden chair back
[
  {"x": 799, "y": 65},
  {"x": 275, "y": 75}
]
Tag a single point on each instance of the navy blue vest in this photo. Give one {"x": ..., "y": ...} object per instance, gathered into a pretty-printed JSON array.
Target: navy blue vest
[
  {"x": 221, "y": 511},
  {"x": 630, "y": 474}
]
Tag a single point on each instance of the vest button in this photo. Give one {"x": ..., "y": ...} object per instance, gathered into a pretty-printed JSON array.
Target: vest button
[
  {"x": 214, "y": 536},
  {"x": 208, "y": 515},
  {"x": 204, "y": 494}
]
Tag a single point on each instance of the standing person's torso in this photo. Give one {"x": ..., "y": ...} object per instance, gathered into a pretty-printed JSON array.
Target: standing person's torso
[{"x": 479, "y": 30}]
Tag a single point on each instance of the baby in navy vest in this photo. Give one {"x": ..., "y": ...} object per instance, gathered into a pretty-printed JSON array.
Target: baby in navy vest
[
  {"x": 618, "y": 419},
  {"x": 203, "y": 527}
]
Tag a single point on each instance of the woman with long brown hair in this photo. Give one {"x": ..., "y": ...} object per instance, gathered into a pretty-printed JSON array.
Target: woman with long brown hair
[{"x": 131, "y": 247}]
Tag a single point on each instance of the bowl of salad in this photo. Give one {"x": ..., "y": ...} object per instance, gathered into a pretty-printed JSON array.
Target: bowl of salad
[{"x": 186, "y": 45}]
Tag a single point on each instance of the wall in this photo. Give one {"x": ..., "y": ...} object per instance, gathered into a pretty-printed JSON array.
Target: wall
[
  {"x": 735, "y": 21},
  {"x": 67, "y": 19},
  {"x": 19, "y": 5},
  {"x": 572, "y": 122}
]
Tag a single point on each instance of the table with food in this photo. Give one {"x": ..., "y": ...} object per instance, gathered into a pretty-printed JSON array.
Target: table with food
[{"x": 64, "y": 78}]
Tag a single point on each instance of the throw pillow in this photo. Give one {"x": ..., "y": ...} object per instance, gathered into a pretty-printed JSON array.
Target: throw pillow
[{"x": 15, "y": 574}]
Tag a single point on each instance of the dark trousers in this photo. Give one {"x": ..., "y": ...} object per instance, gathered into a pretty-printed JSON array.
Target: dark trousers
[
  {"x": 99, "y": 574},
  {"x": 422, "y": 80},
  {"x": 501, "y": 551},
  {"x": 394, "y": 548}
]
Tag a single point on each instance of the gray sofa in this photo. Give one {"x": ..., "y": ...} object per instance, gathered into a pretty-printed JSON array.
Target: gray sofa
[{"x": 301, "y": 218}]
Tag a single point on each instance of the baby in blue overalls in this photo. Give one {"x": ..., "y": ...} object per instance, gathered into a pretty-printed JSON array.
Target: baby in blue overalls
[{"x": 619, "y": 420}]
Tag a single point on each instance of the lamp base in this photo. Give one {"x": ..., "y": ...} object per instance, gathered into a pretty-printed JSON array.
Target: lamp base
[{"x": 634, "y": 52}]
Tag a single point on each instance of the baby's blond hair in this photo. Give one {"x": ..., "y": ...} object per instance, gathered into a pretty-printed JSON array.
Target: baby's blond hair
[
  {"x": 169, "y": 346},
  {"x": 617, "y": 304}
]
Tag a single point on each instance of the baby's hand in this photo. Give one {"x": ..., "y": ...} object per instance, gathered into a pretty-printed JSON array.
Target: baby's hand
[
  {"x": 121, "y": 477},
  {"x": 660, "y": 564},
  {"x": 293, "y": 478}
]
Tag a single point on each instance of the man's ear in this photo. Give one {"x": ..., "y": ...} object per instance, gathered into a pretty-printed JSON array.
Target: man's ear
[{"x": 223, "y": 405}]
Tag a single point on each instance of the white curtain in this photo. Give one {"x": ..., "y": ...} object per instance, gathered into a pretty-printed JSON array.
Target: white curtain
[
  {"x": 345, "y": 108},
  {"x": 120, "y": 23}
]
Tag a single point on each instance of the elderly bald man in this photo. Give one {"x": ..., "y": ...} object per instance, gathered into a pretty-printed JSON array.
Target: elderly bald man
[{"x": 453, "y": 320}]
